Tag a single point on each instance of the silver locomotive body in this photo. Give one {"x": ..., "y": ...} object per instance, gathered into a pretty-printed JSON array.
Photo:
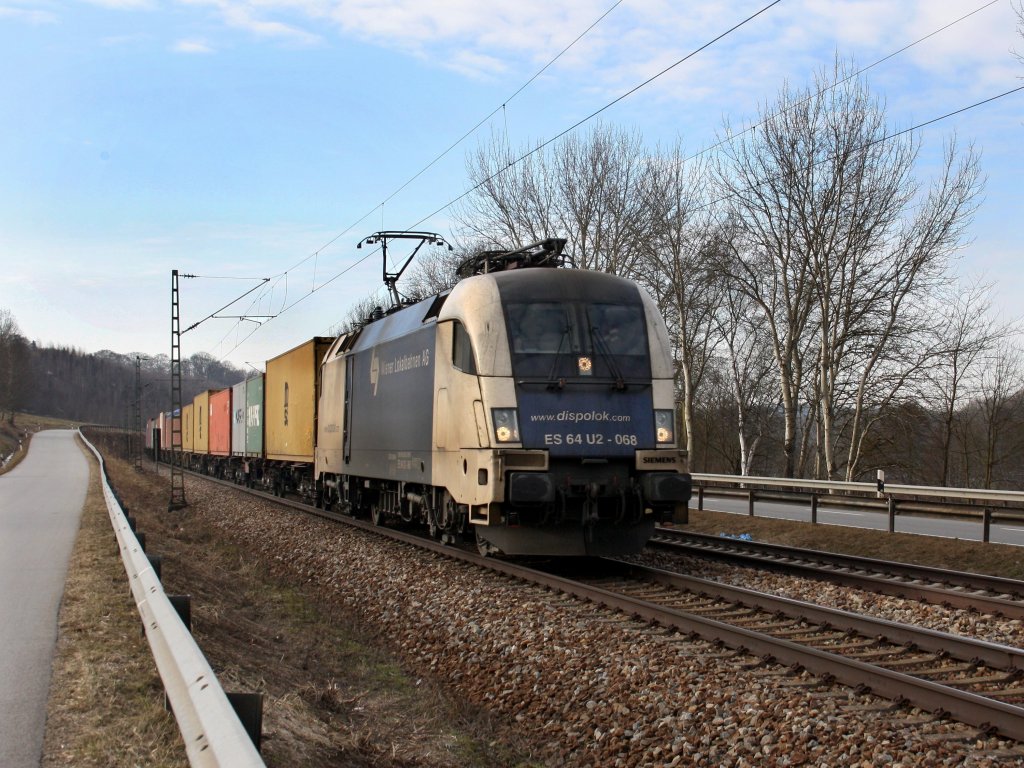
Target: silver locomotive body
[{"x": 535, "y": 406}]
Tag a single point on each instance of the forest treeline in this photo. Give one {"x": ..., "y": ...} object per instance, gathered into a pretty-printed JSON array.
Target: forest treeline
[{"x": 95, "y": 388}]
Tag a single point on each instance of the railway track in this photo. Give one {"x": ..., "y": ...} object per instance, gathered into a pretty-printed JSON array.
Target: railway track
[
  {"x": 970, "y": 681},
  {"x": 956, "y": 589}
]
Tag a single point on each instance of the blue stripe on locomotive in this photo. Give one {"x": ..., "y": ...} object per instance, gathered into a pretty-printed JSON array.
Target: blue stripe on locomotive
[
  {"x": 390, "y": 422},
  {"x": 587, "y": 423}
]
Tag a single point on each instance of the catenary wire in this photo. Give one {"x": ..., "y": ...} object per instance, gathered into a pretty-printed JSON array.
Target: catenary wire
[
  {"x": 571, "y": 128},
  {"x": 286, "y": 307},
  {"x": 456, "y": 143},
  {"x": 315, "y": 254}
]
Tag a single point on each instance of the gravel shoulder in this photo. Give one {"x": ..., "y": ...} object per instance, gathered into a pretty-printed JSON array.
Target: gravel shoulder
[{"x": 371, "y": 652}]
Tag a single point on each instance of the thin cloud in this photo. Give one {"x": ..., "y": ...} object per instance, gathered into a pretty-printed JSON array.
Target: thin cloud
[
  {"x": 125, "y": 5},
  {"x": 256, "y": 18},
  {"x": 28, "y": 16},
  {"x": 192, "y": 47}
]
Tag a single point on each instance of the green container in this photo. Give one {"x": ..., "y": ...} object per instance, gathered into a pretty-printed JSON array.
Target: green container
[{"x": 254, "y": 417}]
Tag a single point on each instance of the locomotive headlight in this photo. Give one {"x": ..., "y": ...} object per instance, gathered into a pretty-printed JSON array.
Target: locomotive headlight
[
  {"x": 506, "y": 424},
  {"x": 664, "y": 427},
  {"x": 585, "y": 365}
]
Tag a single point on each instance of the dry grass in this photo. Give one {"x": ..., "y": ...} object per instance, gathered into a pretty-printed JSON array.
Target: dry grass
[
  {"x": 332, "y": 695},
  {"x": 106, "y": 699},
  {"x": 958, "y": 554}
]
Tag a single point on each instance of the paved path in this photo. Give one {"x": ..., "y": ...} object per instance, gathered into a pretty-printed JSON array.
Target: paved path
[{"x": 40, "y": 505}]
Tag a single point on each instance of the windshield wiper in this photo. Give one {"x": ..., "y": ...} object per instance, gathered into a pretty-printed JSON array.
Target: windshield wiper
[
  {"x": 599, "y": 344},
  {"x": 558, "y": 383}
]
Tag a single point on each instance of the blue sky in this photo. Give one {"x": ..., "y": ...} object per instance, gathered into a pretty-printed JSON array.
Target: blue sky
[{"x": 238, "y": 138}]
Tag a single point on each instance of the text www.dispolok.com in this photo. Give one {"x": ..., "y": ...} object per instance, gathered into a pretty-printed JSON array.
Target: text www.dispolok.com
[{"x": 581, "y": 416}]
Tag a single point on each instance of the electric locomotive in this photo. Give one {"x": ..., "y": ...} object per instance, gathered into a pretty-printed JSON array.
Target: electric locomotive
[{"x": 532, "y": 405}]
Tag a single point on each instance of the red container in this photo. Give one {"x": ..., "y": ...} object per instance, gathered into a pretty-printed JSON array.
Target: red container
[{"x": 220, "y": 422}]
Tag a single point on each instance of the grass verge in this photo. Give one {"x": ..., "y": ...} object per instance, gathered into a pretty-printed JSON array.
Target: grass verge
[
  {"x": 106, "y": 699},
  {"x": 333, "y": 696}
]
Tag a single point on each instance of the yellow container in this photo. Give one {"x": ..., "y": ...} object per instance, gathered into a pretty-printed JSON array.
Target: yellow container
[
  {"x": 291, "y": 391},
  {"x": 187, "y": 442},
  {"x": 201, "y": 422}
]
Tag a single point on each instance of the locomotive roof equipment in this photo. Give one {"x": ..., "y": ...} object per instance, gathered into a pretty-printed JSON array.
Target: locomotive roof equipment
[
  {"x": 543, "y": 253},
  {"x": 391, "y": 278}
]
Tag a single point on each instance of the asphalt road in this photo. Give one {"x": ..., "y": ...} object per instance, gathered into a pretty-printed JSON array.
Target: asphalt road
[
  {"x": 40, "y": 505},
  {"x": 930, "y": 526}
]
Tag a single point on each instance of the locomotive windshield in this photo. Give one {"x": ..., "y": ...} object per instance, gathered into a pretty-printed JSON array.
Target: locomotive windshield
[{"x": 566, "y": 340}]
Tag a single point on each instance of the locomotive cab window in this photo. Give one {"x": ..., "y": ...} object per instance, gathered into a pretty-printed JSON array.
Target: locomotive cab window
[
  {"x": 541, "y": 328},
  {"x": 462, "y": 349},
  {"x": 616, "y": 330},
  {"x": 566, "y": 340}
]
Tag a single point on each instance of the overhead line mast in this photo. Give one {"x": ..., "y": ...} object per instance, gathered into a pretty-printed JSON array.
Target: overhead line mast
[{"x": 177, "y": 500}]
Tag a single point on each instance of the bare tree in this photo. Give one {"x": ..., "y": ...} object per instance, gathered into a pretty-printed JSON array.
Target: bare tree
[
  {"x": 15, "y": 373},
  {"x": 763, "y": 264},
  {"x": 837, "y": 243},
  {"x": 967, "y": 333},
  {"x": 1001, "y": 388},
  {"x": 750, "y": 368},
  {"x": 678, "y": 269},
  {"x": 588, "y": 189},
  {"x": 602, "y": 179},
  {"x": 511, "y": 203},
  {"x": 436, "y": 271}
]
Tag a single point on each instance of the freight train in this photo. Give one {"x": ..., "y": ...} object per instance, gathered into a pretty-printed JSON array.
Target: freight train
[{"x": 531, "y": 406}]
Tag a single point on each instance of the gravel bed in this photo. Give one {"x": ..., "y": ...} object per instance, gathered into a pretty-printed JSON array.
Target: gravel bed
[
  {"x": 982, "y": 626},
  {"x": 589, "y": 687}
]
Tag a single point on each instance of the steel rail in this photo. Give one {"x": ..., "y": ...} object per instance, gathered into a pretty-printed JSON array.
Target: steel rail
[
  {"x": 966, "y": 648},
  {"x": 981, "y": 592},
  {"x": 989, "y": 715}
]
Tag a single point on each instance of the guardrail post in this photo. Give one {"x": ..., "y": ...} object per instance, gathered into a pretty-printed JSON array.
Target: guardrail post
[
  {"x": 156, "y": 562},
  {"x": 182, "y": 605},
  {"x": 249, "y": 708},
  {"x": 892, "y": 514},
  {"x": 814, "y": 508},
  {"x": 750, "y": 502},
  {"x": 700, "y": 498},
  {"x": 986, "y": 524}
]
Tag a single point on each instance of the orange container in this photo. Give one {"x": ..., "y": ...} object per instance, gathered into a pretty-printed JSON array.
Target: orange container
[{"x": 220, "y": 422}]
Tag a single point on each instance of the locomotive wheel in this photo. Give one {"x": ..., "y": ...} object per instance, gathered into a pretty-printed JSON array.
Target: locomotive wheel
[
  {"x": 484, "y": 547},
  {"x": 376, "y": 514}
]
